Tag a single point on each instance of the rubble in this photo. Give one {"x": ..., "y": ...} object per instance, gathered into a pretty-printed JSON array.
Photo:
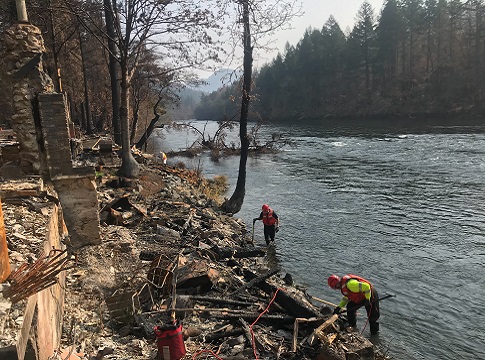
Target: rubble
[{"x": 168, "y": 253}]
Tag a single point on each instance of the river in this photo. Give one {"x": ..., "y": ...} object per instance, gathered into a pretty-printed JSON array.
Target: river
[{"x": 403, "y": 207}]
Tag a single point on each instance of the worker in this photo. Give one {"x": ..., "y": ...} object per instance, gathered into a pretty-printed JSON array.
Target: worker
[
  {"x": 163, "y": 156},
  {"x": 270, "y": 221},
  {"x": 357, "y": 292}
]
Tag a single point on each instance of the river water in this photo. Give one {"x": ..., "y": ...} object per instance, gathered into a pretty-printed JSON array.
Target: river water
[{"x": 403, "y": 207}]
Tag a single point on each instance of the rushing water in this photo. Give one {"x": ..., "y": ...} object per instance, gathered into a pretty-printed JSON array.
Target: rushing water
[{"x": 404, "y": 208}]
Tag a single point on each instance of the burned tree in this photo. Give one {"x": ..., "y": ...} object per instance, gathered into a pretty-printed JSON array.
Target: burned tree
[
  {"x": 177, "y": 31},
  {"x": 259, "y": 19}
]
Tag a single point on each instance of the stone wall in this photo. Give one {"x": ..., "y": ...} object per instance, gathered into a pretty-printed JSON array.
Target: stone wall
[
  {"x": 76, "y": 187},
  {"x": 22, "y": 49},
  {"x": 40, "y": 123}
]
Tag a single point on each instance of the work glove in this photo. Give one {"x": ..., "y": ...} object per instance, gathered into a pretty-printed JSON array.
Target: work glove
[
  {"x": 367, "y": 304},
  {"x": 336, "y": 311},
  {"x": 254, "y": 221},
  {"x": 277, "y": 229}
]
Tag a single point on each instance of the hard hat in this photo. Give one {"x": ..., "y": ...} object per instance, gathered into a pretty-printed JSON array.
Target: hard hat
[
  {"x": 265, "y": 207},
  {"x": 333, "y": 281}
]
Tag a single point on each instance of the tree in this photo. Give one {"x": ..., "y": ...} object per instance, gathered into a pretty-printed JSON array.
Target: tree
[
  {"x": 431, "y": 19},
  {"x": 364, "y": 33},
  {"x": 414, "y": 18},
  {"x": 266, "y": 19},
  {"x": 113, "y": 70},
  {"x": 179, "y": 31}
]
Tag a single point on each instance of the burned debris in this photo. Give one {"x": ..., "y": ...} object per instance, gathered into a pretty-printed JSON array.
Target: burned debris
[
  {"x": 173, "y": 277},
  {"x": 179, "y": 266}
]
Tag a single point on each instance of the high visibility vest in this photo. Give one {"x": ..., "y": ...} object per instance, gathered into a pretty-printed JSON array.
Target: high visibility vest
[
  {"x": 352, "y": 296},
  {"x": 268, "y": 218}
]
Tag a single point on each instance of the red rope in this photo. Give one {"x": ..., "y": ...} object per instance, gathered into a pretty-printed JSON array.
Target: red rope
[
  {"x": 250, "y": 328},
  {"x": 255, "y": 321},
  {"x": 206, "y": 351},
  {"x": 368, "y": 316}
]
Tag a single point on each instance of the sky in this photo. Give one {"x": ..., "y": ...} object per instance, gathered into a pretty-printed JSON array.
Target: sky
[{"x": 315, "y": 15}]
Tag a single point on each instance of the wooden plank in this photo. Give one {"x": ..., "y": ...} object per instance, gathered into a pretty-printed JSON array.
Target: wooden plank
[
  {"x": 21, "y": 188},
  {"x": 318, "y": 333},
  {"x": 23, "y": 336},
  {"x": 295, "y": 330},
  {"x": 323, "y": 301},
  {"x": 4, "y": 260}
]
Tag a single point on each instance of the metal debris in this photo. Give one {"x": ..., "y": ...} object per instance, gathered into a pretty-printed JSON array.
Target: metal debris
[{"x": 29, "y": 279}]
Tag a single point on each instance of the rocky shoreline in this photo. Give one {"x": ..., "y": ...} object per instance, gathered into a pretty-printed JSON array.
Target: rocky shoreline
[{"x": 168, "y": 253}]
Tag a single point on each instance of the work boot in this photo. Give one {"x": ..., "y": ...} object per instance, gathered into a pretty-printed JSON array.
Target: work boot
[{"x": 374, "y": 328}]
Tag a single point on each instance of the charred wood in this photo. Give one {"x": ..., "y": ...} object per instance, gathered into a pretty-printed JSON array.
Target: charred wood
[
  {"x": 258, "y": 279},
  {"x": 251, "y": 336},
  {"x": 293, "y": 306},
  {"x": 227, "y": 253},
  {"x": 216, "y": 336},
  {"x": 220, "y": 300}
]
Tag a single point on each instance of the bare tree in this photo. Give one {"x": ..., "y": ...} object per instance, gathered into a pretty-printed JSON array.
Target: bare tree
[
  {"x": 180, "y": 32},
  {"x": 113, "y": 71},
  {"x": 259, "y": 20}
]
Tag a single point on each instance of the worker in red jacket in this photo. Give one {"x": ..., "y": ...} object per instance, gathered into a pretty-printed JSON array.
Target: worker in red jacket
[
  {"x": 357, "y": 292},
  {"x": 270, "y": 221}
]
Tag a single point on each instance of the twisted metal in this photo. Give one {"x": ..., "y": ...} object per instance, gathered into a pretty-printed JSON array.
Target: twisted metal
[{"x": 29, "y": 279}]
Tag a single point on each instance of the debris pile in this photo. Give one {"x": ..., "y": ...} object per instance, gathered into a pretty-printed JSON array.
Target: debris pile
[
  {"x": 170, "y": 259},
  {"x": 168, "y": 256},
  {"x": 25, "y": 219}
]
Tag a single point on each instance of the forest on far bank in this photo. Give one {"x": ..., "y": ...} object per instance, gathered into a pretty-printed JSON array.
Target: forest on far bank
[{"x": 418, "y": 58}]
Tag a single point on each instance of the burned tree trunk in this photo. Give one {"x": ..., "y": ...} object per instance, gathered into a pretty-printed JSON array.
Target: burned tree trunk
[{"x": 234, "y": 204}]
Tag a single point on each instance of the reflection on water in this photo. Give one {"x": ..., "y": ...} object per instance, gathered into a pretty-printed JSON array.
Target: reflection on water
[{"x": 403, "y": 207}]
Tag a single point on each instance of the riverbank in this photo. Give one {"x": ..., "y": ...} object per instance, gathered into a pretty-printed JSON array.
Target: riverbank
[
  {"x": 166, "y": 220},
  {"x": 168, "y": 252}
]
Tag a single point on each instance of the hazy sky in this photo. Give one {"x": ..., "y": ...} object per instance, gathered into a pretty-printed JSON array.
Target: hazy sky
[{"x": 316, "y": 13}]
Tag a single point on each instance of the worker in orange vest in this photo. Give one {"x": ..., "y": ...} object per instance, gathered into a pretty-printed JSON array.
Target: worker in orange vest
[
  {"x": 270, "y": 221},
  {"x": 357, "y": 292}
]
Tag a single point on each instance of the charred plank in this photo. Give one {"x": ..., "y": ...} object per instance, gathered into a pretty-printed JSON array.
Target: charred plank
[{"x": 292, "y": 305}]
